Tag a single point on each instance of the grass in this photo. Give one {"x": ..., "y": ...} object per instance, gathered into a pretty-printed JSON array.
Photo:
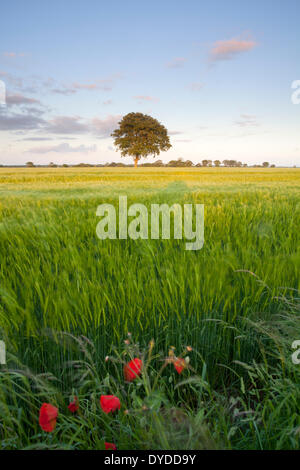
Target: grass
[{"x": 235, "y": 302}]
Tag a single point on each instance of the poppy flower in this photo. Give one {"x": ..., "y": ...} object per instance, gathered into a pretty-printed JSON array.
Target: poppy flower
[
  {"x": 110, "y": 446},
  {"x": 179, "y": 364},
  {"x": 74, "y": 405},
  {"x": 109, "y": 403},
  {"x": 48, "y": 416},
  {"x": 132, "y": 369}
]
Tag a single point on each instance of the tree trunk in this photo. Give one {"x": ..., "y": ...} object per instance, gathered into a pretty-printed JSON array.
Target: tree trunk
[{"x": 136, "y": 161}]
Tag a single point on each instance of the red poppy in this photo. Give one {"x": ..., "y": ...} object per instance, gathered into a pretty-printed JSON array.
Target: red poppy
[
  {"x": 110, "y": 446},
  {"x": 74, "y": 405},
  {"x": 179, "y": 364},
  {"x": 48, "y": 416},
  {"x": 109, "y": 403},
  {"x": 132, "y": 369}
]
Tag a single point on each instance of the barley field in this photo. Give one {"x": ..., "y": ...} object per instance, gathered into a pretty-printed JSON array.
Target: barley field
[{"x": 69, "y": 299}]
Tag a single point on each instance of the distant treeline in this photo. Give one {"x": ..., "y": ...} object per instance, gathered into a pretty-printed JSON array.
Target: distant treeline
[{"x": 159, "y": 163}]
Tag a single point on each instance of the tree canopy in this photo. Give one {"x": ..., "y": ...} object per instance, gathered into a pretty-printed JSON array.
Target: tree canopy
[{"x": 140, "y": 135}]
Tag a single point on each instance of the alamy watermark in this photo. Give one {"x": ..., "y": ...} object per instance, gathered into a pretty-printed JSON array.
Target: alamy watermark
[
  {"x": 295, "y": 97},
  {"x": 2, "y": 93},
  {"x": 296, "y": 354},
  {"x": 155, "y": 225},
  {"x": 2, "y": 353}
]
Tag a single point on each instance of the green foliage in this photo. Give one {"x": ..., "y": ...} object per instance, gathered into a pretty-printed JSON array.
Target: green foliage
[
  {"x": 56, "y": 275},
  {"x": 159, "y": 409},
  {"x": 140, "y": 135}
]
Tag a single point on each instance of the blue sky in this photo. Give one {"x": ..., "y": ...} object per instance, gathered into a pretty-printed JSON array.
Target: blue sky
[{"x": 217, "y": 74}]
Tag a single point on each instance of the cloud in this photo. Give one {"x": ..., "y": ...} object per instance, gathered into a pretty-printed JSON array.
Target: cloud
[
  {"x": 105, "y": 84},
  {"x": 104, "y": 127},
  {"x": 76, "y": 125},
  {"x": 228, "y": 49},
  {"x": 107, "y": 102},
  {"x": 176, "y": 63},
  {"x": 63, "y": 148},
  {"x": 142, "y": 98},
  {"x": 32, "y": 110},
  {"x": 175, "y": 132},
  {"x": 18, "y": 99},
  {"x": 33, "y": 118},
  {"x": 196, "y": 86},
  {"x": 37, "y": 84},
  {"x": 247, "y": 120},
  {"x": 16, "y": 82},
  {"x": 18, "y": 121},
  {"x": 75, "y": 87},
  {"x": 64, "y": 91},
  {"x": 36, "y": 139},
  {"x": 31, "y": 84},
  {"x": 66, "y": 138},
  {"x": 13, "y": 54},
  {"x": 67, "y": 125}
]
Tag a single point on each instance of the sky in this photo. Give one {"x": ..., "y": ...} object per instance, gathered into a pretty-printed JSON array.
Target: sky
[{"x": 218, "y": 75}]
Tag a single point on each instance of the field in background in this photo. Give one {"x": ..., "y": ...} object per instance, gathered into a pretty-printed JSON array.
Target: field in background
[{"x": 55, "y": 273}]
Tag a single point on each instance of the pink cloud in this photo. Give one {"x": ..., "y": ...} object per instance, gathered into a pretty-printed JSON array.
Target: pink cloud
[
  {"x": 18, "y": 99},
  {"x": 175, "y": 132},
  {"x": 105, "y": 84},
  {"x": 177, "y": 63},
  {"x": 13, "y": 54},
  {"x": 227, "y": 49},
  {"x": 92, "y": 86},
  {"x": 145, "y": 98}
]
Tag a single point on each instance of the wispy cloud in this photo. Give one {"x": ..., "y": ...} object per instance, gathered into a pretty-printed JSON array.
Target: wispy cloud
[
  {"x": 18, "y": 99},
  {"x": 13, "y": 54},
  {"x": 175, "y": 132},
  {"x": 228, "y": 49},
  {"x": 11, "y": 79},
  {"x": 38, "y": 84},
  {"x": 67, "y": 125},
  {"x": 105, "y": 84},
  {"x": 143, "y": 98},
  {"x": 30, "y": 84},
  {"x": 247, "y": 120},
  {"x": 196, "y": 86},
  {"x": 64, "y": 91},
  {"x": 63, "y": 148},
  {"x": 36, "y": 139},
  {"x": 176, "y": 63}
]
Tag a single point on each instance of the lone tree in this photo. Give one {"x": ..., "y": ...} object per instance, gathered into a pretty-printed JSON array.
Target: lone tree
[{"x": 140, "y": 135}]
